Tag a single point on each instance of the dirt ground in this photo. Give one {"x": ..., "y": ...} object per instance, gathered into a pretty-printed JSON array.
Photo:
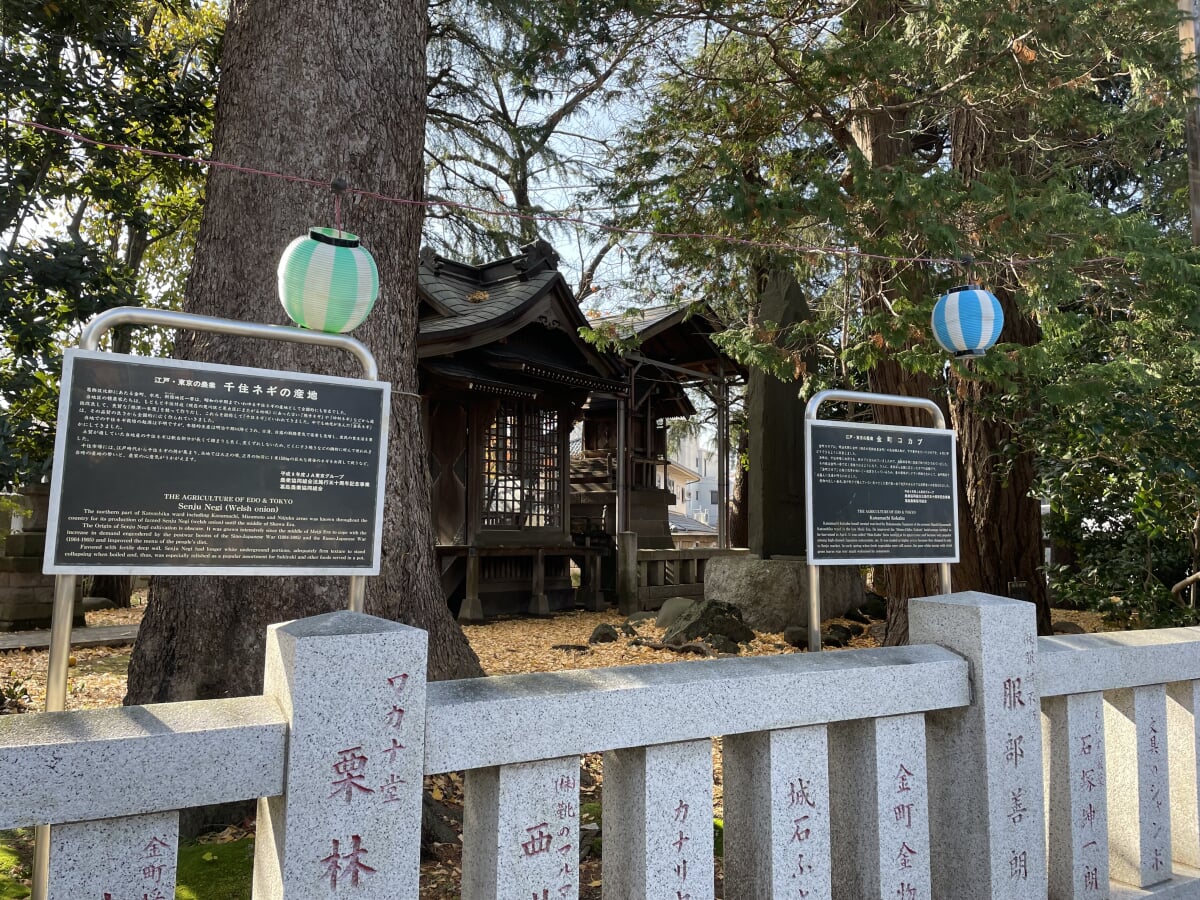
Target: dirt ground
[{"x": 506, "y": 646}]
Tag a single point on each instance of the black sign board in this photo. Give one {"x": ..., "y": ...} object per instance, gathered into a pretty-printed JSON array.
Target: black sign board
[
  {"x": 189, "y": 468},
  {"x": 880, "y": 494}
]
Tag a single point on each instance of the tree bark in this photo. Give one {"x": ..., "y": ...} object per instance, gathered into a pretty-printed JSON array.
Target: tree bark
[
  {"x": 318, "y": 92},
  {"x": 117, "y": 588},
  {"x": 739, "y": 506},
  {"x": 881, "y": 135},
  {"x": 1005, "y": 515},
  {"x": 999, "y": 519}
]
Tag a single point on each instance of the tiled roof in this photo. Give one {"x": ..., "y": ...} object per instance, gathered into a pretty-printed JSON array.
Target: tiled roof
[
  {"x": 472, "y": 303},
  {"x": 641, "y": 320},
  {"x": 686, "y": 524}
]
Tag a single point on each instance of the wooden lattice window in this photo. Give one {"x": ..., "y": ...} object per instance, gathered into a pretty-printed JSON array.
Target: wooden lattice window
[{"x": 522, "y": 483}]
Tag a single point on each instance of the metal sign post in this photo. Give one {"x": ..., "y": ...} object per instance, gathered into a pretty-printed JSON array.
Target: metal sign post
[
  {"x": 888, "y": 493},
  {"x": 72, "y": 550}
]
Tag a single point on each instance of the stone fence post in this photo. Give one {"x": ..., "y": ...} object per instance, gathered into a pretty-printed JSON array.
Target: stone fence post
[
  {"x": 987, "y": 818},
  {"x": 352, "y": 687}
]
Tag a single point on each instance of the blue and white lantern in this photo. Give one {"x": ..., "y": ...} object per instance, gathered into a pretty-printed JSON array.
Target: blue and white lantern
[
  {"x": 967, "y": 321},
  {"x": 327, "y": 281}
]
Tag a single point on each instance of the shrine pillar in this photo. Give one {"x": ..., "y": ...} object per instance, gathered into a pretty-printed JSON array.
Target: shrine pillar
[{"x": 986, "y": 809}]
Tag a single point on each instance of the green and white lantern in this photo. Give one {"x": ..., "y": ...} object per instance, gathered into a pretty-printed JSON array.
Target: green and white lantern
[{"x": 328, "y": 281}]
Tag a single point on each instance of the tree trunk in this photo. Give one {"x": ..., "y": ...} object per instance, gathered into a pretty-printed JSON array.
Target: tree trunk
[
  {"x": 881, "y": 136},
  {"x": 739, "y": 506},
  {"x": 116, "y": 588},
  {"x": 1005, "y": 515},
  {"x": 317, "y": 92}
]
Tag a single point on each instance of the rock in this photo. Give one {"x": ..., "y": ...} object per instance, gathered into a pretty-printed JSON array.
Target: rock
[
  {"x": 877, "y": 632},
  {"x": 773, "y": 593},
  {"x": 589, "y": 839},
  {"x": 839, "y": 632},
  {"x": 698, "y": 647},
  {"x": 643, "y": 616},
  {"x": 708, "y": 618},
  {"x": 875, "y": 606},
  {"x": 828, "y": 639},
  {"x": 603, "y": 634},
  {"x": 670, "y": 610},
  {"x": 796, "y": 635},
  {"x": 722, "y": 644}
]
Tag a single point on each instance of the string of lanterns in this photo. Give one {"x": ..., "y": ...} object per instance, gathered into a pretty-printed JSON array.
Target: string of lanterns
[{"x": 329, "y": 282}]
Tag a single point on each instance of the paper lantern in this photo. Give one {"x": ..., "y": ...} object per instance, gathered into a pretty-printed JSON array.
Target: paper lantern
[
  {"x": 327, "y": 281},
  {"x": 967, "y": 320}
]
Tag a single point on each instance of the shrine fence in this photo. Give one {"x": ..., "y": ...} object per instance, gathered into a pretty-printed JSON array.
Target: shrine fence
[{"x": 927, "y": 771}]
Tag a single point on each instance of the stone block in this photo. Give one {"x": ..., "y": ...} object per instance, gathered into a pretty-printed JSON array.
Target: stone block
[
  {"x": 26, "y": 543},
  {"x": 22, "y": 602},
  {"x": 995, "y": 817},
  {"x": 353, "y": 689},
  {"x": 35, "y": 502},
  {"x": 27, "y": 603},
  {"x": 773, "y": 593},
  {"x": 1079, "y": 664},
  {"x": 658, "y": 821},
  {"x": 1139, "y": 810},
  {"x": 1183, "y": 743},
  {"x": 1076, "y": 796},
  {"x": 130, "y": 858},
  {"x": 880, "y": 809},
  {"x": 29, "y": 564},
  {"x": 776, "y": 786},
  {"x": 97, "y": 763},
  {"x": 521, "y": 831},
  {"x": 683, "y": 701}
]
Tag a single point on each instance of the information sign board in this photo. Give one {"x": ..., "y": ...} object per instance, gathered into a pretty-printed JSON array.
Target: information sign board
[
  {"x": 181, "y": 467},
  {"x": 880, "y": 494}
]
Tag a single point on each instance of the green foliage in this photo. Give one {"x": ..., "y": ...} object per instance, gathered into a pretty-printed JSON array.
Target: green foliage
[
  {"x": 14, "y": 696},
  {"x": 86, "y": 228},
  {"x": 1117, "y": 435},
  {"x": 215, "y": 871},
  {"x": 16, "y": 855},
  {"x": 1044, "y": 140},
  {"x": 205, "y": 872}
]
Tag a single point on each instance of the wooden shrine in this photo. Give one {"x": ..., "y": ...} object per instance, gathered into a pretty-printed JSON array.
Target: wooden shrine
[{"x": 505, "y": 375}]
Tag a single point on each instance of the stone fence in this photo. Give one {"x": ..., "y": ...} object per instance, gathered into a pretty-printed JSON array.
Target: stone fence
[{"x": 928, "y": 771}]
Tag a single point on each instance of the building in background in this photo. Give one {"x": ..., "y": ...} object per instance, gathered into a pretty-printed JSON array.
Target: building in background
[{"x": 697, "y": 455}]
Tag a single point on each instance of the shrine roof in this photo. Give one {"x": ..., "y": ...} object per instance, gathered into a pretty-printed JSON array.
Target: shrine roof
[{"x": 520, "y": 301}]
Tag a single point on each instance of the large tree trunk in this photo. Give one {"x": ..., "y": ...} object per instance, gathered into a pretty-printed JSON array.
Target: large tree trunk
[
  {"x": 317, "y": 91},
  {"x": 999, "y": 519},
  {"x": 1005, "y": 515},
  {"x": 881, "y": 136}
]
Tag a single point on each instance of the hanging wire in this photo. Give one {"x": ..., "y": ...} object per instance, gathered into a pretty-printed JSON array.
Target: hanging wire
[{"x": 814, "y": 249}]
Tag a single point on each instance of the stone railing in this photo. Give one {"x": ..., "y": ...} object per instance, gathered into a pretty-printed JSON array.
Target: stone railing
[
  {"x": 1121, "y": 739},
  {"x": 906, "y": 773}
]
